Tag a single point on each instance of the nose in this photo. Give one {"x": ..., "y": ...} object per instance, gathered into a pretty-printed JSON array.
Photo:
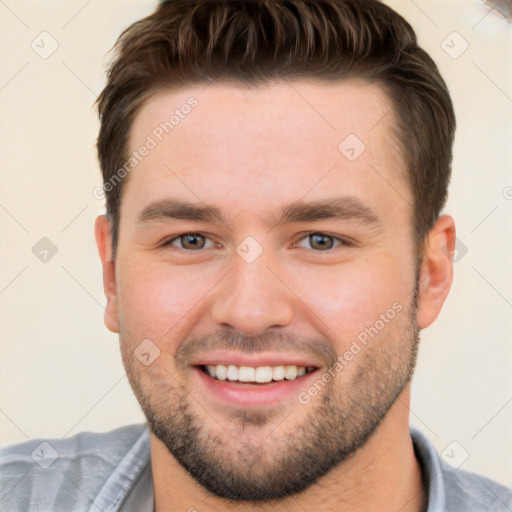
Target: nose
[{"x": 252, "y": 299}]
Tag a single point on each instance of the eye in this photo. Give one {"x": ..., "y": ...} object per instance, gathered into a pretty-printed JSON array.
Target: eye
[
  {"x": 322, "y": 242},
  {"x": 189, "y": 241}
]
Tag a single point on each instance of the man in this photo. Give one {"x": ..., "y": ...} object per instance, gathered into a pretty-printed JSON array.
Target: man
[{"x": 273, "y": 244}]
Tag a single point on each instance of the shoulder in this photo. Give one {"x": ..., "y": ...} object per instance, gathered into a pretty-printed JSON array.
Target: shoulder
[
  {"x": 455, "y": 489},
  {"x": 55, "y": 474},
  {"x": 474, "y": 491}
]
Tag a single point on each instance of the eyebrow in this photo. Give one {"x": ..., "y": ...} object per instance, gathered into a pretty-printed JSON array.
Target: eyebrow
[
  {"x": 166, "y": 209},
  {"x": 339, "y": 208}
]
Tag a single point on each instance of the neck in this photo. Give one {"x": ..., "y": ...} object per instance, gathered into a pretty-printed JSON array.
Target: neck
[{"x": 382, "y": 475}]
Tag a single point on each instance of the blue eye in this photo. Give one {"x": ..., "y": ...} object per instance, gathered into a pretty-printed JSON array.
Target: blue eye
[
  {"x": 188, "y": 241},
  {"x": 320, "y": 242},
  {"x": 323, "y": 242}
]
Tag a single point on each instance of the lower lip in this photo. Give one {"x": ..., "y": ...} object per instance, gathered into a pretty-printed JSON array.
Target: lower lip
[{"x": 255, "y": 394}]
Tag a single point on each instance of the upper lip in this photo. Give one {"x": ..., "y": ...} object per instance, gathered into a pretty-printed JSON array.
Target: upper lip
[{"x": 228, "y": 357}]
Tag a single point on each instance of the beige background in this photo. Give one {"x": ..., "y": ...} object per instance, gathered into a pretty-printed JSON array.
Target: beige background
[{"x": 61, "y": 372}]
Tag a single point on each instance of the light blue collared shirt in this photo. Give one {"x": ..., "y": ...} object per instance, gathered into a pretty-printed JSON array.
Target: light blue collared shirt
[{"x": 111, "y": 472}]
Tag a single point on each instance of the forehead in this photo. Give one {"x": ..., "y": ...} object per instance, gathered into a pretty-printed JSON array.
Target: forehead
[{"x": 249, "y": 148}]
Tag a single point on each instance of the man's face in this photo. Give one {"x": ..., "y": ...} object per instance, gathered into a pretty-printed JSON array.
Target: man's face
[{"x": 275, "y": 288}]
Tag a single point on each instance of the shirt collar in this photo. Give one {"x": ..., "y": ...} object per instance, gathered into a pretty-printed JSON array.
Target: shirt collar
[{"x": 132, "y": 481}]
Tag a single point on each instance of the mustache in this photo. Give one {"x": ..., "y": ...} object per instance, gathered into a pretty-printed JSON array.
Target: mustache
[{"x": 277, "y": 342}]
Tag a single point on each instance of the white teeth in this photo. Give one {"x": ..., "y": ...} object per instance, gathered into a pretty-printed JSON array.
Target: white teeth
[
  {"x": 290, "y": 372},
  {"x": 221, "y": 371},
  {"x": 259, "y": 374},
  {"x": 278, "y": 372},
  {"x": 263, "y": 374},
  {"x": 246, "y": 374},
  {"x": 232, "y": 372}
]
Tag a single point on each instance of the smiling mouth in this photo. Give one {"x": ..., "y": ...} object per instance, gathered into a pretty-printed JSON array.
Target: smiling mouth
[{"x": 250, "y": 375}]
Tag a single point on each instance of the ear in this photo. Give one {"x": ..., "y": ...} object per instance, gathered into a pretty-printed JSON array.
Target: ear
[
  {"x": 436, "y": 271},
  {"x": 103, "y": 235}
]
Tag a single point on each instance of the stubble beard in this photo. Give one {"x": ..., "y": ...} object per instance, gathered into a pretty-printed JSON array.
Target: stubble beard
[{"x": 236, "y": 462}]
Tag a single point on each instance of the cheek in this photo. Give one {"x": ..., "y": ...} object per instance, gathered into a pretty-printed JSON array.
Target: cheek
[
  {"x": 349, "y": 298},
  {"x": 155, "y": 297}
]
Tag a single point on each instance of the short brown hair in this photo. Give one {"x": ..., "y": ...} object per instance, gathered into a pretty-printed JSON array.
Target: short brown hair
[{"x": 188, "y": 42}]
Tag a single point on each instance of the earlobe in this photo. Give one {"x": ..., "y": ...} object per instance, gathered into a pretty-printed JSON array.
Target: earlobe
[
  {"x": 103, "y": 237},
  {"x": 436, "y": 272}
]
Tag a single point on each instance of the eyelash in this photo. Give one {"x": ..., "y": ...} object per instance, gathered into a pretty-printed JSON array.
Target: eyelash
[{"x": 342, "y": 241}]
